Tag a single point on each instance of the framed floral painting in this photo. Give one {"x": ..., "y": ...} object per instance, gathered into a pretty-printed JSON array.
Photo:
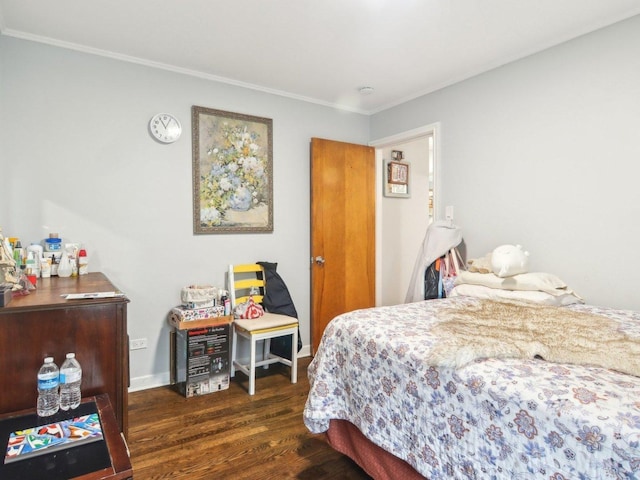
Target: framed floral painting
[{"x": 232, "y": 172}]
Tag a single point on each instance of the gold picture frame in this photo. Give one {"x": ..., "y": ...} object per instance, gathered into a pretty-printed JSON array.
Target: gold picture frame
[{"x": 232, "y": 172}]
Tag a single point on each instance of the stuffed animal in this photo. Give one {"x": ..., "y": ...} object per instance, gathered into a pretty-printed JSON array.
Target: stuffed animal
[{"x": 509, "y": 260}]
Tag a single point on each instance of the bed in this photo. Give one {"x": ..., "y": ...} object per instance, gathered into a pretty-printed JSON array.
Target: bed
[{"x": 413, "y": 390}]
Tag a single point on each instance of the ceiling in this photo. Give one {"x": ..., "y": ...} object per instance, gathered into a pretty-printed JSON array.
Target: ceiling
[{"x": 321, "y": 51}]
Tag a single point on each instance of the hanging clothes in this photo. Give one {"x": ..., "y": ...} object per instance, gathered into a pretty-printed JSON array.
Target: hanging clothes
[
  {"x": 441, "y": 237},
  {"x": 277, "y": 299}
]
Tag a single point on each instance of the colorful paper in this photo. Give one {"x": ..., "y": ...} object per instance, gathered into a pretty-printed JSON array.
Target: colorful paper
[{"x": 54, "y": 436}]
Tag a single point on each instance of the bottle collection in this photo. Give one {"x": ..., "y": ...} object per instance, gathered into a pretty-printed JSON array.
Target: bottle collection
[
  {"x": 49, "y": 258},
  {"x": 59, "y": 389}
]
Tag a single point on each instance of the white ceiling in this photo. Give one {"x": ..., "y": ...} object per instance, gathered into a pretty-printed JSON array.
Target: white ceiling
[{"x": 321, "y": 51}]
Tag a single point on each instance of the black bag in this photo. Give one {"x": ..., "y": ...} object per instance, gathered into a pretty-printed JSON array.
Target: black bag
[
  {"x": 433, "y": 282},
  {"x": 277, "y": 299}
]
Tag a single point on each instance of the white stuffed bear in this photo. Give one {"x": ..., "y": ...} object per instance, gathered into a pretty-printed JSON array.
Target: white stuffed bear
[{"x": 509, "y": 260}]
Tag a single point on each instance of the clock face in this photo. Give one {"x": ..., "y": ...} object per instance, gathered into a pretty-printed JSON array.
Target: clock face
[{"x": 165, "y": 128}]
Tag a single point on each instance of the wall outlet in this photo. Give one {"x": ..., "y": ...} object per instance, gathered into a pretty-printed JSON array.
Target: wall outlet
[{"x": 138, "y": 344}]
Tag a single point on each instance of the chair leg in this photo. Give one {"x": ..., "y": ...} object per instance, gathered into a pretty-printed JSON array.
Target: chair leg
[
  {"x": 252, "y": 368},
  {"x": 294, "y": 357},
  {"x": 266, "y": 351},
  {"x": 234, "y": 350}
]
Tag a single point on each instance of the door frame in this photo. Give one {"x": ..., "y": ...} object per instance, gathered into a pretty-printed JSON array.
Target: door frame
[{"x": 432, "y": 129}]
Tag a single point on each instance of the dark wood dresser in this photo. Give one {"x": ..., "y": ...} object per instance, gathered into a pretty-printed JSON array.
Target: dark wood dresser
[{"x": 44, "y": 323}]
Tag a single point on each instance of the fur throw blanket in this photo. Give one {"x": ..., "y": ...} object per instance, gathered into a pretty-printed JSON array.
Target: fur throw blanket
[{"x": 515, "y": 330}]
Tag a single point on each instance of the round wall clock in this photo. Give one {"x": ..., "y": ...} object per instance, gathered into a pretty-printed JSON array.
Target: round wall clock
[{"x": 165, "y": 128}]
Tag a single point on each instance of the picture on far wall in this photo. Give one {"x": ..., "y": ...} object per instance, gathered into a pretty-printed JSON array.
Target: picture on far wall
[
  {"x": 232, "y": 172},
  {"x": 396, "y": 179}
]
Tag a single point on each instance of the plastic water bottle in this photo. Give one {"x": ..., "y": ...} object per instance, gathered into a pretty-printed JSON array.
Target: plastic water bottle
[
  {"x": 70, "y": 379},
  {"x": 48, "y": 398}
]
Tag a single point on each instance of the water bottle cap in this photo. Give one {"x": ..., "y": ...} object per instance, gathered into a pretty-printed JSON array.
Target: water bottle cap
[
  {"x": 48, "y": 360},
  {"x": 71, "y": 355}
]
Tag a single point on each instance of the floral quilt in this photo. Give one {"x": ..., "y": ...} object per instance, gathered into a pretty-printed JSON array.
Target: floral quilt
[{"x": 492, "y": 419}]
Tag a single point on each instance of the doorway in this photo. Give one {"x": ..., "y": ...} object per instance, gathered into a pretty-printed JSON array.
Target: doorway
[
  {"x": 401, "y": 222},
  {"x": 352, "y": 174}
]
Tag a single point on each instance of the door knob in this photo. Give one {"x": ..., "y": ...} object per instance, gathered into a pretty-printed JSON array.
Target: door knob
[{"x": 319, "y": 260}]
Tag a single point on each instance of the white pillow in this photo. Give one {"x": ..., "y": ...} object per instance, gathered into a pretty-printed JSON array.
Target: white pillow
[
  {"x": 531, "y": 296},
  {"x": 537, "y": 281}
]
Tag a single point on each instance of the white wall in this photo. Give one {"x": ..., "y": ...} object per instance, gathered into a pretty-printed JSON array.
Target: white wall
[
  {"x": 77, "y": 159},
  {"x": 544, "y": 152},
  {"x": 541, "y": 152},
  {"x": 4, "y": 182}
]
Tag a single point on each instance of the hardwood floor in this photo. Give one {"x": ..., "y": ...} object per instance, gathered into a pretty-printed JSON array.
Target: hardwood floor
[{"x": 232, "y": 435}]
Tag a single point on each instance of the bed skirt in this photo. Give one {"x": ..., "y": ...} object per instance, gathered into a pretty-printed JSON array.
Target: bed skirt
[{"x": 347, "y": 439}]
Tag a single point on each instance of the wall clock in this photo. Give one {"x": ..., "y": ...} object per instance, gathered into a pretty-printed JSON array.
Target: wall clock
[{"x": 165, "y": 128}]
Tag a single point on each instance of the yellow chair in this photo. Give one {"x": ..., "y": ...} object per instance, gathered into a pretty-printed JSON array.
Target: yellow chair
[{"x": 243, "y": 282}]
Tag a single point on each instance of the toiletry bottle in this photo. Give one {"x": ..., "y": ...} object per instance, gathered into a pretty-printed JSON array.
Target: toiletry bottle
[{"x": 83, "y": 262}]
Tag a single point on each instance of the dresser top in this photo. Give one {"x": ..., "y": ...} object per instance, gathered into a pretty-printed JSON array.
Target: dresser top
[{"x": 49, "y": 293}]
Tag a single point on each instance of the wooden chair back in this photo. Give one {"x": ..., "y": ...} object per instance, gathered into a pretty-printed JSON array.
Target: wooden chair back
[{"x": 246, "y": 281}]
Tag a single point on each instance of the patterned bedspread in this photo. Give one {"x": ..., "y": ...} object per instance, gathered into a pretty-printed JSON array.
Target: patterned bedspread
[{"x": 492, "y": 419}]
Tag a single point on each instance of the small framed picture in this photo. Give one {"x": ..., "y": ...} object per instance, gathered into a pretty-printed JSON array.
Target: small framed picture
[
  {"x": 396, "y": 179},
  {"x": 397, "y": 154}
]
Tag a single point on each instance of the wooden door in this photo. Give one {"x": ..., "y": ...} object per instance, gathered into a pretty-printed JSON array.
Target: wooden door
[{"x": 342, "y": 231}]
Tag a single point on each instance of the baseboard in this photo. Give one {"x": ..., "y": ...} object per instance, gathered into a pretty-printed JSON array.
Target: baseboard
[
  {"x": 149, "y": 381},
  {"x": 160, "y": 380},
  {"x": 305, "y": 351}
]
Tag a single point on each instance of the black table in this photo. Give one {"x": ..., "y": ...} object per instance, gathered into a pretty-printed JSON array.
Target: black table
[{"x": 103, "y": 459}]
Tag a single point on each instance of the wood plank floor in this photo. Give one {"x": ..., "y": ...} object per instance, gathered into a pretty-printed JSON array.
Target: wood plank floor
[{"x": 232, "y": 435}]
